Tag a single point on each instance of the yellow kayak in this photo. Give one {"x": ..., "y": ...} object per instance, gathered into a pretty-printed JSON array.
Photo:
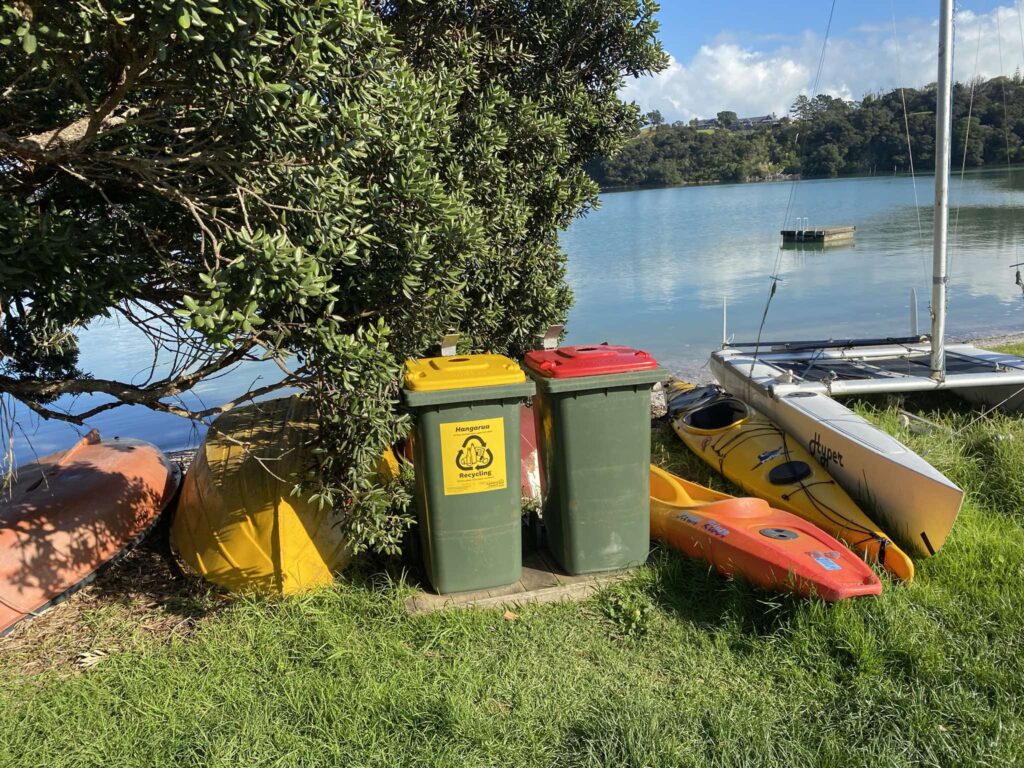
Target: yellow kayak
[{"x": 758, "y": 456}]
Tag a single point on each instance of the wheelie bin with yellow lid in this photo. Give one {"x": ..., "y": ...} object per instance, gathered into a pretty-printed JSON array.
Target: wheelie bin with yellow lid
[
  {"x": 593, "y": 414},
  {"x": 466, "y": 457}
]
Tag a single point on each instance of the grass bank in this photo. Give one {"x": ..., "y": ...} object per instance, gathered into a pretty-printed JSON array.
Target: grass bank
[{"x": 675, "y": 667}]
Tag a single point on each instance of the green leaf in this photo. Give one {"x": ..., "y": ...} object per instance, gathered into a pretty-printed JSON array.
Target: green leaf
[
  {"x": 28, "y": 43},
  {"x": 185, "y": 20}
]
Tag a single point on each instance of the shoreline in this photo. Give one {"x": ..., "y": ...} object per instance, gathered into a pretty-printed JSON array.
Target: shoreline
[
  {"x": 996, "y": 341},
  {"x": 928, "y": 172}
]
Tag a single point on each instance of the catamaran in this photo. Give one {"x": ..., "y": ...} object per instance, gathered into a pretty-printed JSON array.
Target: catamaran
[{"x": 794, "y": 382}]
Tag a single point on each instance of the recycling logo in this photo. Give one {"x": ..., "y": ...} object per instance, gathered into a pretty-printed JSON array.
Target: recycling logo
[{"x": 474, "y": 454}]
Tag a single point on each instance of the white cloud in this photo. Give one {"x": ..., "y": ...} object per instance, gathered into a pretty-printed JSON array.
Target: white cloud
[
  {"x": 720, "y": 77},
  {"x": 727, "y": 75}
]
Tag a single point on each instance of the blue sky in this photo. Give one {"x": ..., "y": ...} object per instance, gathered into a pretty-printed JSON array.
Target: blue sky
[
  {"x": 685, "y": 26},
  {"x": 756, "y": 56}
]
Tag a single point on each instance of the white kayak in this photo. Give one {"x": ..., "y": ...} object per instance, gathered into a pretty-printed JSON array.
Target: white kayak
[{"x": 913, "y": 500}]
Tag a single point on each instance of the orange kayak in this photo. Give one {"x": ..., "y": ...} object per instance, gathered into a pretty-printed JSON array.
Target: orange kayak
[
  {"x": 745, "y": 537},
  {"x": 70, "y": 513}
]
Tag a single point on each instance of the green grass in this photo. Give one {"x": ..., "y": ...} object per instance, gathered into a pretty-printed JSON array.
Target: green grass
[
  {"x": 1012, "y": 349},
  {"x": 675, "y": 667}
]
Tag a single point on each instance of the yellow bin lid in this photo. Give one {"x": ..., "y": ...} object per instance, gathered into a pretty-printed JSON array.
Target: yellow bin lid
[{"x": 433, "y": 374}]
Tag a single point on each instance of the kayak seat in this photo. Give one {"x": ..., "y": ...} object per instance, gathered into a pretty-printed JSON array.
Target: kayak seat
[
  {"x": 718, "y": 415},
  {"x": 684, "y": 397}
]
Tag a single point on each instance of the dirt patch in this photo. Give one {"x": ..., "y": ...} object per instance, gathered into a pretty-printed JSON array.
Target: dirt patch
[{"x": 142, "y": 597}]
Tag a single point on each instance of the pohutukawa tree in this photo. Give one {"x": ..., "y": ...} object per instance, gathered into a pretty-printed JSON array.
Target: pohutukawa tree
[{"x": 328, "y": 184}]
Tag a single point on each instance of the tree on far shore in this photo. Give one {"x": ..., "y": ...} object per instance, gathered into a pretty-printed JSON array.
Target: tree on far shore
[{"x": 727, "y": 119}]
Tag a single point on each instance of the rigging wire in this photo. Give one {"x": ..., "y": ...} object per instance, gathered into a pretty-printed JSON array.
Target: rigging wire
[
  {"x": 1020, "y": 27},
  {"x": 1019, "y": 279},
  {"x": 910, "y": 148},
  {"x": 963, "y": 165},
  {"x": 775, "y": 279},
  {"x": 1006, "y": 119}
]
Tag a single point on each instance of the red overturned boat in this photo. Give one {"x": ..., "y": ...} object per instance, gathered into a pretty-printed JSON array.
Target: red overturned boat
[{"x": 72, "y": 512}]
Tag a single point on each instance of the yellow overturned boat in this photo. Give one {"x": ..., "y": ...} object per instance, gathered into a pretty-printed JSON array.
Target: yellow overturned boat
[
  {"x": 758, "y": 456},
  {"x": 238, "y": 523}
]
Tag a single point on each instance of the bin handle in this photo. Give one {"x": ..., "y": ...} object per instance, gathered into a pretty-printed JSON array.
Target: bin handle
[
  {"x": 449, "y": 343},
  {"x": 549, "y": 340}
]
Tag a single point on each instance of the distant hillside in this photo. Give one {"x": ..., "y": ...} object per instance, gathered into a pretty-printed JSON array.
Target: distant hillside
[{"x": 824, "y": 137}]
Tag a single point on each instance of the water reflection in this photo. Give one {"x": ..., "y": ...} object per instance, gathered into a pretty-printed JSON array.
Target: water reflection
[{"x": 653, "y": 267}]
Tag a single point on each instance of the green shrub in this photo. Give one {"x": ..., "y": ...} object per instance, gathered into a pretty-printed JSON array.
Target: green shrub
[{"x": 328, "y": 183}]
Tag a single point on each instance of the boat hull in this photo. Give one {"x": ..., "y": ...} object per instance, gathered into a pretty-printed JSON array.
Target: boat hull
[
  {"x": 761, "y": 458},
  {"x": 745, "y": 537},
  {"x": 238, "y": 522},
  {"x": 910, "y": 498},
  {"x": 72, "y": 512}
]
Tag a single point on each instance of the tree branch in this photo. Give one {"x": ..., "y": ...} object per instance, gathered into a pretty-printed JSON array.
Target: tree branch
[
  {"x": 61, "y": 143},
  {"x": 28, "y": 390},
  {"x": 79, "y": 419}
]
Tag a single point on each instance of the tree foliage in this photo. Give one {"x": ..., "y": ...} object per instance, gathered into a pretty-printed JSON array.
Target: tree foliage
[
  {"x": 327, "y": 183},
  {"x": 826, "y": 136},
  {"x": 727, "y": 118}
]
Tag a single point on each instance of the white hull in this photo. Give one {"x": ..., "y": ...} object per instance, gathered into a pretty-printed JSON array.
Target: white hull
[
  {"x": 991, "y": 379},
  {"x": 912, "y": 499}
]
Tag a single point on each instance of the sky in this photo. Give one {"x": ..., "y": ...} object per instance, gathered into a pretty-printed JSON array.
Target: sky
[{"x": 755, "y": 57}]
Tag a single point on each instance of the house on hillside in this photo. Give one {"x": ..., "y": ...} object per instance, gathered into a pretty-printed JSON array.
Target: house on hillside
[
  {"x": 741, "y": 124},
  {"x": 750, "y": 123}
]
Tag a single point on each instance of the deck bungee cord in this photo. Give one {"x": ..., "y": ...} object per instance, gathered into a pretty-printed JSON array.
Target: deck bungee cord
[
  {"x": 761, "y": 458},
  {"x": 727, "y": 444}
]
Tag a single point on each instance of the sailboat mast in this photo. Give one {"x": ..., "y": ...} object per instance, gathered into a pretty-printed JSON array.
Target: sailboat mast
[{"x": 943, "y": 153}]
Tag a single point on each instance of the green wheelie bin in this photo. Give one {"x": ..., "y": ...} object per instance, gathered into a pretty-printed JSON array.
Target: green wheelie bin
[
  {"x": 593, "y": 415},
  {"x": 466, "y": 457}
]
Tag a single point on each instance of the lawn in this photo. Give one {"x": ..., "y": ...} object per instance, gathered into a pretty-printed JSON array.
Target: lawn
[{"x": 677, "y": 666}]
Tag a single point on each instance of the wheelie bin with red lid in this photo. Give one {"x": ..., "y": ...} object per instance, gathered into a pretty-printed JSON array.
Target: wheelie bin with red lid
[{"x": 593, "y": 414}]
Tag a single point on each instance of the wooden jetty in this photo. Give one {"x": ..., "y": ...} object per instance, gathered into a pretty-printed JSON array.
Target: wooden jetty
[{"x": 819, "y": 235}]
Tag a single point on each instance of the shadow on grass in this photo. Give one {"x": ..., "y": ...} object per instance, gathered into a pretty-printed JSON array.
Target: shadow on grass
[
  {"x": 623, "y": 736},
  {"x": 693, "y": 591}
]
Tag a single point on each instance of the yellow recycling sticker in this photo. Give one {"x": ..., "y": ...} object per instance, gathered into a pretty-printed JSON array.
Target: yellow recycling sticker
[{"x": 473, "y": 456}]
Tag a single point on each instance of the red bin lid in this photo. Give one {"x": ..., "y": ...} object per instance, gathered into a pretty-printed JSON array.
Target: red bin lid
[{"x": 570, "y": 362}]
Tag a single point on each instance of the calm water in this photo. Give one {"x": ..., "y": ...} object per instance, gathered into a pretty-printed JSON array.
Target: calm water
[{"x": 652, "y": 268}]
